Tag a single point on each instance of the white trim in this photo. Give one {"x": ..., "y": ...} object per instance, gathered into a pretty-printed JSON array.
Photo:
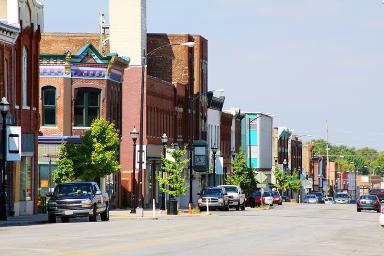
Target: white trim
[
  {"x": 81, "y": 128},
  {"x": 17, "y": 107},
  {"x": 27, "y": 107},
  {"x": 49, "y": 127}
]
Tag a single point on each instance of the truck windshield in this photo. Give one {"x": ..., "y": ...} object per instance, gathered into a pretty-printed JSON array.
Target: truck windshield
[
  {"x": 211, "y": 191},
  {"x": 73, "y": 190}
]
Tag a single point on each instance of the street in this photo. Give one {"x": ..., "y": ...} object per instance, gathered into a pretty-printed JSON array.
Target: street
[{"x": 290, "y": 229}]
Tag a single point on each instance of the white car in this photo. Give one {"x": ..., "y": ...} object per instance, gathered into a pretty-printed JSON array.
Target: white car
[
  {"x": 342, "y": 198},
  {"x": 267, "y": 198},
  {"x": 328, "y": 200},
  {"x": 236, "y": 196}
]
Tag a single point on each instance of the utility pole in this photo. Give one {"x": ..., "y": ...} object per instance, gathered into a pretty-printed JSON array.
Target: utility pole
[{"x": 327, "y": 154}]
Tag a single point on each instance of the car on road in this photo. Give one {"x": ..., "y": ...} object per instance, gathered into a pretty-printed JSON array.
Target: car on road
[
  {"x": 320, "y": 197},
  {"x": 236, "y": 196},
  {"x": 214, "y": 197},
  {"x": 77, "y": 199},
  {"x": 286, "y": 199},
  {"x": 277, "y": 198},
  {"x": 311, "y": 199},
  {"x": 368, "y": 202},
  {"x": 379, "y": 193},
  {"x": 342, "y": 198},
  {"x": 267, "y": 198},
  {"x": 328, "y": 200},
  {"x": 254, "y": 199}
]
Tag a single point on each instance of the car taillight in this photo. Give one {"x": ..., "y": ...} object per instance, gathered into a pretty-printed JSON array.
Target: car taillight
[
  {"x": 377, "y": 202},
  {"x": 358, "y": 201}
]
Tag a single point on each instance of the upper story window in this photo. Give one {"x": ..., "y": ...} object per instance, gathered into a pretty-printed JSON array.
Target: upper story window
[
  {"x": 25, "y": 78},
  {"x": 48, "y": 94},
  {"x": 87, "y": 106}
]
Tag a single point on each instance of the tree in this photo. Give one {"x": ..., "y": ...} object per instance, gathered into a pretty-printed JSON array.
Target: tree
[
  {"x": 294, "y": 182},
  {"x": 173, "y": 184},
  {"x": 282, "y": 182},
  {"x": 241, "y": 175},
  {"x": 345, "y": 166},
  {"x": 377, "y": 165},
  {"x": 96, "y": 157}
]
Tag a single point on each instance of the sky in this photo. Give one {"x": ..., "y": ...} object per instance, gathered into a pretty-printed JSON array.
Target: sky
[{"x": 305, "y": 61}]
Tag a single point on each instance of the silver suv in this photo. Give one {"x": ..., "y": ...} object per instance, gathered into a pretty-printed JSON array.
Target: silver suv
[
  {"x": 214, "y": 198},
  {"x": 236, "y": 196}
]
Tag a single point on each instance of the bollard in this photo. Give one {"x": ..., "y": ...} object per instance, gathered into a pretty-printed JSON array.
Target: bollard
[
  {"x": 153, "y": 209},
  {"x": 206, "y": 200},
  {"x": 381, "y": 218}
]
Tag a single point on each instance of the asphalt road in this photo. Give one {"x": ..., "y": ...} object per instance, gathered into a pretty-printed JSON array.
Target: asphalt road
[{"x": 284, "y": 230}]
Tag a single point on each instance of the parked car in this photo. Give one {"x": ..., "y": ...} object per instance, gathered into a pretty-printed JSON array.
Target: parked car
[
  {"x": 342, "y": 198},
  {"x": 215, "y": 197},
  {"x": 286, "y": 199},
  {"x": 311, "y": 199},
  {"x": 254, "y": 199},
  {"x": 368, "y": 202},
  {"x": 236, "y": 196},
  {"x": 320, "y": 197},
  {"x": 379, "y": 193},
  {"x": 277, "y": 198},
  {"x": 267, "y": 198},
  {"x": 328, "y": 200},
  {"x": 77, "y": 199}
]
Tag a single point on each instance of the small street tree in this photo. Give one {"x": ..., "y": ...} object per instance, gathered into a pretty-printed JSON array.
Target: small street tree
[
  {"x": 241, "y": 175},
  {"x": 294, "y": 182},
  {"x": 173, "y": 184},
  {"x": 96, "y": 157},
  {"x": 282, "y": 180}
]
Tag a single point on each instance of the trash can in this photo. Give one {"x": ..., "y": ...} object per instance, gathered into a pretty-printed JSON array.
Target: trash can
[{"x": 172, "y": 207}]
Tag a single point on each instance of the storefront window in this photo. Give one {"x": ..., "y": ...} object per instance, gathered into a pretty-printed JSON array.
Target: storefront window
[{"x": 26, "y": 179}]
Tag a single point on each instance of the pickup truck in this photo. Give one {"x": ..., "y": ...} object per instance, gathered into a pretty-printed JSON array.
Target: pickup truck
[
  {"x": 77, "y": 199},
  {"x": 378, "y": 192}
]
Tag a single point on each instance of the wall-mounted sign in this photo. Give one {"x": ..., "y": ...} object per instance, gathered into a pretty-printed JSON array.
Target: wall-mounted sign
[
  {"x": 13, "y": 143},
  {"x": 200, "y": 156}
]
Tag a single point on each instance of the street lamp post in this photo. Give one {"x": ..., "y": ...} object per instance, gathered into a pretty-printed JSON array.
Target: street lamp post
[
  {"x": 145, "y": 58},
  {"x": 4, "y": 108},
  {"x": 214, "y": 151},
  {"x": 164, "y": 140},
  {"x": 134, "y": 135}
]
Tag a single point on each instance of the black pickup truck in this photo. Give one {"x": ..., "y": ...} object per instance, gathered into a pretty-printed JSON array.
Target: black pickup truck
[
  {"x": 77, "y": 199},
  {"x": 378, "y": 192}
]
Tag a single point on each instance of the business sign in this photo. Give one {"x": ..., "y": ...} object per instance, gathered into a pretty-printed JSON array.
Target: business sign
[
  {"x": 200, "y": 156},
  {"x": 144, "y": 155},
  {"x": 13, "y": 144}
]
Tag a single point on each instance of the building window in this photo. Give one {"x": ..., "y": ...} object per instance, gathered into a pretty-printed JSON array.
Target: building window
[
  {"x": 49, "y": 105},
  {"x": 87, "y": 106},
  {"x": 25, "y": 78},
  {"x": 5, "y": 93}
]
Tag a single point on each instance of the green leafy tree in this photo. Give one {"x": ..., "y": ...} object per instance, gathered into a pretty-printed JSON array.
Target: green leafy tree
[
  {"x": 94, "y": 158},
  {"x": 241, "y": 175},
  {"x": 294, "y": 182},
  {"x": 173, "y": 184},
  {"x": 345, "y": 166},
  {"x": 377, "y": 165},
  {"x": 282, "y": 180}
]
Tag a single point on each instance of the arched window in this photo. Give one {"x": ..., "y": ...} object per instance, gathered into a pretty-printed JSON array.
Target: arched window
[
  {"x": 87, "y": 106},
  {"x": 48, "y": 94},
  {"x": 25, "y": 77}
]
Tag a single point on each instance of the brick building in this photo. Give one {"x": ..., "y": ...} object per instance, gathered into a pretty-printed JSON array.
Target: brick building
[
  {"x": 21, "y": 23},
  {"x": 77, "y": 85}
]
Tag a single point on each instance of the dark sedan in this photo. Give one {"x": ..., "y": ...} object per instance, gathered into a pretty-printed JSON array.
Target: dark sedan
[
  {"x": 368, "y": 202},
  {"x": 254, "y": 199}
]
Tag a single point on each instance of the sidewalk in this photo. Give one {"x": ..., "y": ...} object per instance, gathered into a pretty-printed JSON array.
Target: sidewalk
[
  {"x": 25, "y": 220},
  {"x": 114, "y": 214}
]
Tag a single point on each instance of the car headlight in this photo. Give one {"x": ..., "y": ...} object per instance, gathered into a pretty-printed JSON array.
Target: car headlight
[
  {"x": 221, "y": 200},
  {"x": 86, "y": 203},
  {"x": 199, "y": 201}
]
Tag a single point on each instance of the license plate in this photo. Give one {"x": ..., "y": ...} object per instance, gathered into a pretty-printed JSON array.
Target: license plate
[{"x": 68, "y": 213}]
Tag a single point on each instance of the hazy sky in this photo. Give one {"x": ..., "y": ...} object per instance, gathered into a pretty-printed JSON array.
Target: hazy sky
[{"x": 306, "y": 61}]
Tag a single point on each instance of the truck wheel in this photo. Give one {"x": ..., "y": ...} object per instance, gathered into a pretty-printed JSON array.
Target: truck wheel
[
  {"x": 93, "y": 217},
  {"x": 238, "y": 207},
  {"x": 105, "y": 215},
  {"x": 64, "y": 219},
  {"x": 51, "y": 219},
  {"x": 243, "y": 207},
  {"x": 358, "y": 210}
]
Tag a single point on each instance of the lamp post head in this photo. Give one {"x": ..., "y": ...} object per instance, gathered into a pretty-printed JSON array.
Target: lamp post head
[
  {"x": 285, "y": 162},
  {"x": 4, "y": 106},
  {"x": 188, "y": 44},
  {"x": 134, "y": 134},
  {"x": 214, "y": 149},
  {"x": 164, "y": 138}
]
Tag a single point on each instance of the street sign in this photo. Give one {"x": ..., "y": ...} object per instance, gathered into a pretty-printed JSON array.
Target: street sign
[
  {"x": 138, "y": 156},
  {"x": 260, "y": 185},
  {"x": 13, "y": 151},
  {"x": 261, "y": 177}
]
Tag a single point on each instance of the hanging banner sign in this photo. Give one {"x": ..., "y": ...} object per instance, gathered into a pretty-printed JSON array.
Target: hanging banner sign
[{"x": 13, "y": 144}]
